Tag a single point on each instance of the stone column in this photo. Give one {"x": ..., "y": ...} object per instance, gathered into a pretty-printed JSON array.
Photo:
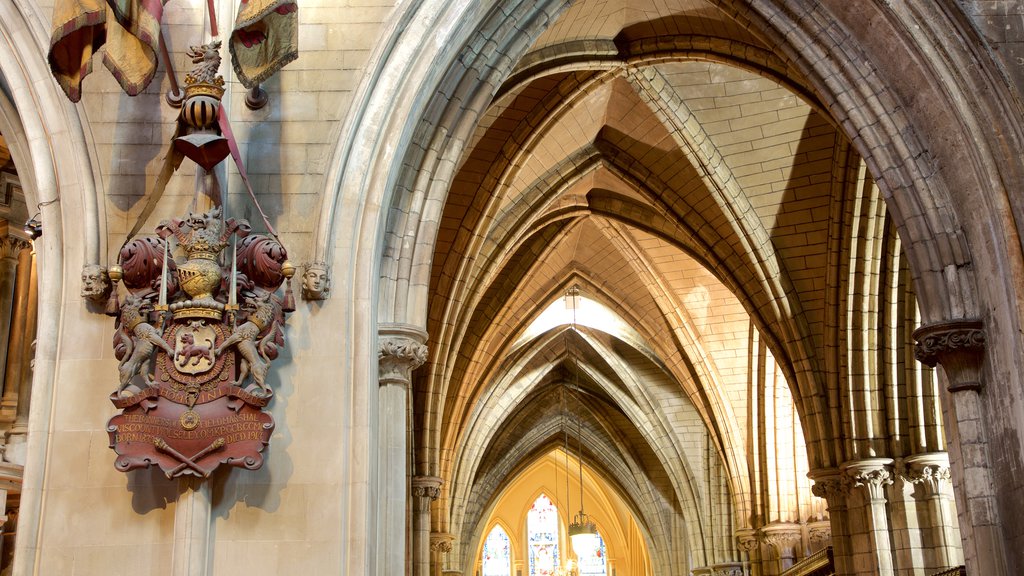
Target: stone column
[
  {"x": 746, "y": 541},
  {"x": 15, "y": 331},
  {"x": 784, "y": 538},
  {"x": 10, "y": 248},
  {"x": 24, "y": 355},
  {"x": 400, "y": 351},
  {"x": 192, "y": 517},
  {"x": 425, "y": 489},
  {"x": 959, "y": 347},
  {"x": 834, "y": 487},
  {"x": 929, "y": 474},
  {"x": 440, "y": 545},
  {"x": 873, "y": 475}
]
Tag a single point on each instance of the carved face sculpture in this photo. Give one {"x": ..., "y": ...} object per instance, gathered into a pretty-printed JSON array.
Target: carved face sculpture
[
  {"x": 315, "y": 282},
  {"x": 95, "y": 285}
]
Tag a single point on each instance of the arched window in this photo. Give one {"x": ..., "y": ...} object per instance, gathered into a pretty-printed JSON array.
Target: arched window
[
  {"x": 542, "y": 535},
  {"x": 596, "y": 564},
  {"x": 497, "y": 560}
]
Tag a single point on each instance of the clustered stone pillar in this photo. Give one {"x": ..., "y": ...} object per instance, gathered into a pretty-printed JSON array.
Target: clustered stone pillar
[
  {"x": 401, "y": 350},
  {"x": 959, "y": 347},
  {"x": 425, "y": 489},
  {"x": 746, "y": 541}
]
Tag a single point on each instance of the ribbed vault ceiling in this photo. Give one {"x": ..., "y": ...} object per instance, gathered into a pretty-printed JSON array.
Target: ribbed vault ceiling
[{"x": 683, "y": 183}]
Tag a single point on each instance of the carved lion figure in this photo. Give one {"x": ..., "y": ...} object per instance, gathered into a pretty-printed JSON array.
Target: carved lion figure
[
  {"x": 134, "y": 343},
  {"x": 244, "y": 337}
]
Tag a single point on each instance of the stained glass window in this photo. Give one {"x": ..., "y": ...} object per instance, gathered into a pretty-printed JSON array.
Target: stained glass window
[
  {"x": 596, "y": 564},
  {"x": 497, "y": 559},
  {"x": 542, "y": 535}
]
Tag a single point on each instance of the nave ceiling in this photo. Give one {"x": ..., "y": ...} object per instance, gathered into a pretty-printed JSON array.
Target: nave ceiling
[{"x": 692, "y": 187}]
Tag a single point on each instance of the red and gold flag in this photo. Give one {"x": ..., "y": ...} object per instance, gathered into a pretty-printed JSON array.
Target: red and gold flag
[
  {"x": 265, "y": 39},
  {"x": 133, "y": 42},
  {"x": 79, "y": 30},
  {"x": 130, "y": 29}
]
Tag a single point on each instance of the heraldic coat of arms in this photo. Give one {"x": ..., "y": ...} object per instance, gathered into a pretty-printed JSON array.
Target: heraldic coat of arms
[{"x": 195, "y": 341}]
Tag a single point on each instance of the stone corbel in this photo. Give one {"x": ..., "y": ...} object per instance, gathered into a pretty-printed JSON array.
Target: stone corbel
[
  {"x": 930, "y": 471},
  {"x": 746, "y": 539},
  {"x": 728, "y": 569},
  {"x": 782, "y": 536},
  {"x": 96, "y": 286},
  {"x": 959, "y": 346},
  {"x": 832, "y": 485},
  {"x": 441, "y": 542},
  {"x": 401, "y": 351},
  {"x": 819, "y": 532}
]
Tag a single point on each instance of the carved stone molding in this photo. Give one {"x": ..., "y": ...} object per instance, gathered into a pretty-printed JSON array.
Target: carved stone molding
[
  {"x": 930, "y": 471},
  {"x": 11, "y": 246},
  {"x": 441, "y": 542},
  {"x": 401, "y": 350},
  {"x": 727, "y": 569},
  {"x": 959, "y": 346},
  {"x": 874, "y": 474},
  {"x": 781, "y": 535},
  {"x": 819, "y": 532},
  {"x": 427, "y": 487},
  {"x": 746, "y": 539}
]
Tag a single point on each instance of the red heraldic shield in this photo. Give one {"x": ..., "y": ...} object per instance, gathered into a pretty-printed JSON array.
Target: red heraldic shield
[{"x": 195, "y": 417}]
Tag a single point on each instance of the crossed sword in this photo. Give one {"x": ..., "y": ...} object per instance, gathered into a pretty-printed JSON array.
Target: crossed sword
[{"x": 186, "y": 462}]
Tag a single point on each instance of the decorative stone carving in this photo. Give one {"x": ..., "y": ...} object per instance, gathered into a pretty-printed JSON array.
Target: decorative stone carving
[
  {"x": 398, "y": 356},
  {"x": 316, "y": 282},
  {"x": 819, "y": 532},
  {"x": 746, "y": 539},
  {"x": 958, "y": 346},
  {"x": 930, "y": 471},
  {"x": 728, "y": 569},
  {"x": 427, "y": 487},
  {"x": 193, "y": 361},
  {"x": 832, "y": 485},
  {"x": 871, "y": 473},
  {"x": 95, "y": 284},
  {"x": 781, "y": 535},
  {"x": 11, "y": 246},
  {"x": 441, "y": 542}
]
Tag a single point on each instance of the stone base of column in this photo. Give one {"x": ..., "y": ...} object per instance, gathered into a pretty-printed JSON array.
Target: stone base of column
[{"x": 15, "y": 447}]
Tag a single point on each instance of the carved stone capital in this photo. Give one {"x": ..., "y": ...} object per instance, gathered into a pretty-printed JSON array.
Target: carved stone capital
[
  {"x": 818, "y": 532},
  {"x": 441, "y": 542},
  {"x": 11, "y": 246},
  {"x": 832, "y": 485},
  {"x": 959, "y": 346},
  {"x": 427, "y": 487},
  {"x": 930, "y": 471},
  {"x": 781, "y": 535},
  {"x": 874, "y": 474},
  {"x": 746, "y": 539},
  {"x": 401, "y": 351}
]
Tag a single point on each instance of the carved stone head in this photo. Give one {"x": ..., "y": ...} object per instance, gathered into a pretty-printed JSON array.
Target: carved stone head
[
  {"x": 95, "y": 283},
  {"x": 316, "y": 283}
]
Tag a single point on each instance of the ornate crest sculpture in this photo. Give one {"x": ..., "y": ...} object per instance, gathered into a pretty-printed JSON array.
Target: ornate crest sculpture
[{"x": 195, "y": 341}]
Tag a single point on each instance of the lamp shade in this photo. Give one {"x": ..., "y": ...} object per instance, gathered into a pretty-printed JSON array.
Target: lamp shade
[{"x": 583, "y": 533}]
